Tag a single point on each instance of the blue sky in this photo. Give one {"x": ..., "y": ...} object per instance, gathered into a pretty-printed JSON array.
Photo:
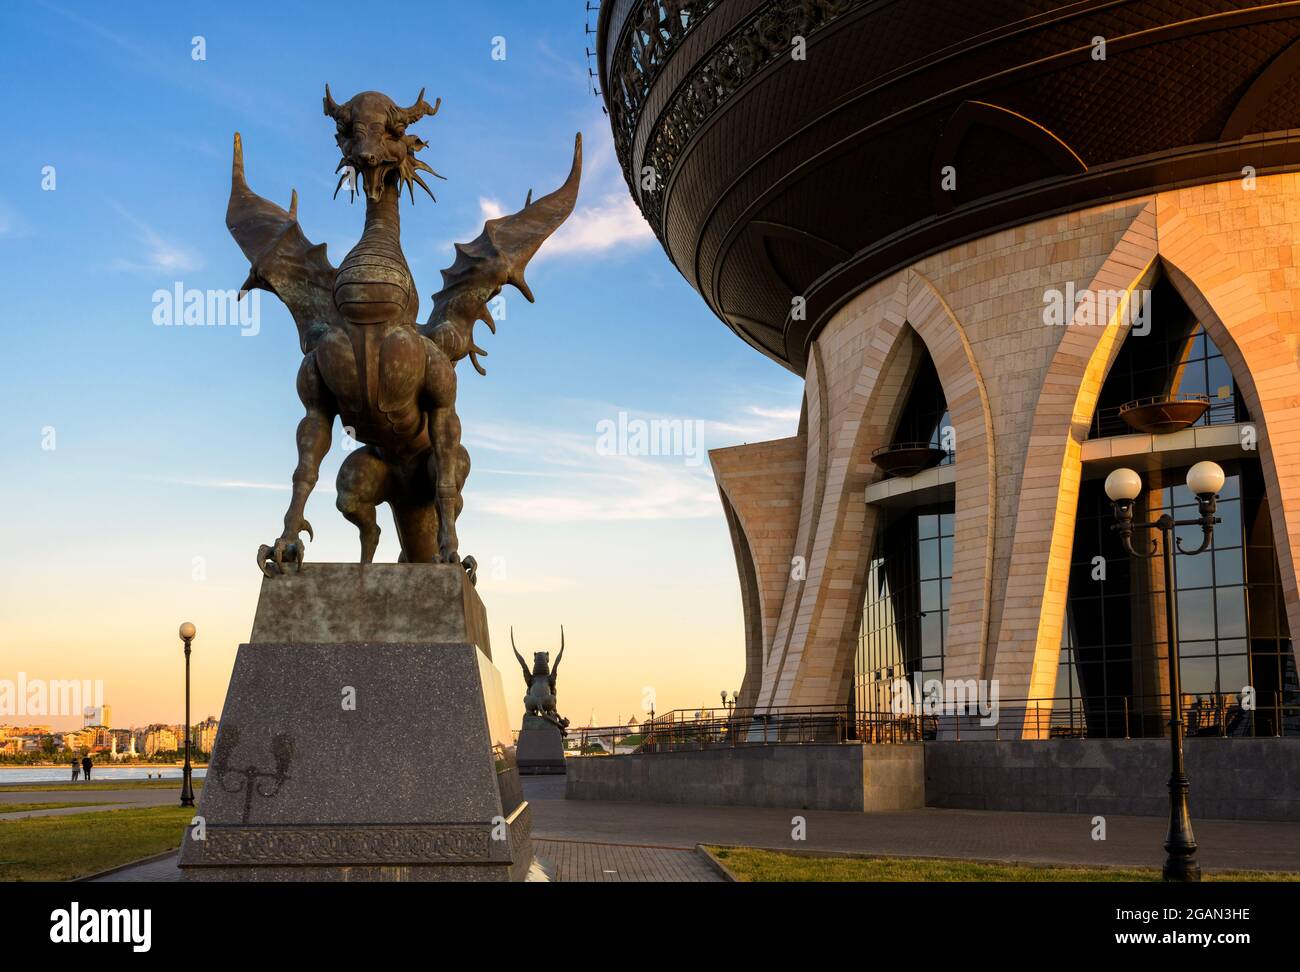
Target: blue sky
[{"x": 173, "y": 446}]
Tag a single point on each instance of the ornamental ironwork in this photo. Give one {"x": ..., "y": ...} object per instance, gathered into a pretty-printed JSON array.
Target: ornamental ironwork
[{"x": 756, "y": 42}]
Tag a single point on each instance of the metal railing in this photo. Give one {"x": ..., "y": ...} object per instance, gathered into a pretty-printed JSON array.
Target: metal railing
[
  {"x": 1111, "y": 717},
  {"x": 1109, "y": 421}
]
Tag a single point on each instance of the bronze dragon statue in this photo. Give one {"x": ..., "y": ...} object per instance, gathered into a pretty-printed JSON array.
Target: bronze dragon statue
[{"x": 366, "y": 359}]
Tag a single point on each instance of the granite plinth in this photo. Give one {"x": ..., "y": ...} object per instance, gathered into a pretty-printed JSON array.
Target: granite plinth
[
  {"x": 353, "y": 760},
  {"x": 329, "y": 604},
  {"x": 540, "y": 749}
]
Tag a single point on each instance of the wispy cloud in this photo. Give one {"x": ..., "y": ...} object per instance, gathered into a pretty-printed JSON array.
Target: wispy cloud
[
  {"x": 605, "y": 218},
  {"x": 563, "y": 475},
  {"x": 158, "y": 253},
  {"x": 12, "y": 226},
  {"x": 284, "y": 487},
  {"x": 780, "y": 414},
  {"x": 612, "y": 223}
]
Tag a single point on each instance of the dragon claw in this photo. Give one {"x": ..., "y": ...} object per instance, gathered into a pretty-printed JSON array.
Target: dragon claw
[
  {"x": 264, "y": 559},
  {"x": 287, "y": 550}
]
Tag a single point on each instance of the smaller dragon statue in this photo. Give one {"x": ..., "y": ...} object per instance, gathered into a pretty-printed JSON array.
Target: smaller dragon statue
[{"x": 540, "y": 698}]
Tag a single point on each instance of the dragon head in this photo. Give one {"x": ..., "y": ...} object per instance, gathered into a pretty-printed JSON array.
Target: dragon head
[{"x": 372, "y": 137}]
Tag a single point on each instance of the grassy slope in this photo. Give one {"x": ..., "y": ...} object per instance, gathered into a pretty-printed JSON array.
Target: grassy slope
[
  {"x": 749, "y": 864},
  {"x": 28, "y": 807},
  {"x": 65, "y": 847},
  {"x": 70, "y": 787}
]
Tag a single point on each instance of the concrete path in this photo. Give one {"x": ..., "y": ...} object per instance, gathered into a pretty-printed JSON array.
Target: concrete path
[
  {"x": 115, "y": 799},
  {"x": 971, "y": 834},
  {"x": 151, "y": 872},
  {"x": 586, "y": 840},
  {"x": 141, "y": 796},
  {"x": 62, "y": 811}
]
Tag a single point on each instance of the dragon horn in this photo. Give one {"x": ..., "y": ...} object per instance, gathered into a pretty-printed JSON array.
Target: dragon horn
[
  {"x": 332, "y": 108},
  {"x": 418, "y": 110}
]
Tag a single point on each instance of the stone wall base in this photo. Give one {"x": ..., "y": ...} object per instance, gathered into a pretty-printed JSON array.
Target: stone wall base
[
  {"x": 1232, "y": 779},
  {"x": 811, "y": 777}
]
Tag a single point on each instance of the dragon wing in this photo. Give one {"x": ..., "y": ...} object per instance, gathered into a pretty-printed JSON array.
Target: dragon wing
[
  {"x": 528, "y": 675},
  {"x": 497, "y": 257},
  {"x": 282, "y": 260},
  {"x": 555, "y": 669}
]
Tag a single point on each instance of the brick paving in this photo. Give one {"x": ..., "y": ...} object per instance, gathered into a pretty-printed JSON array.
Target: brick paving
[{"x": 580, "y": 860}]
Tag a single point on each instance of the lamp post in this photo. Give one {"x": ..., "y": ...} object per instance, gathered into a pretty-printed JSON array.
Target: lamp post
[
  {"x": 187, "y": 632},
  {"x": 1123, "y": 486}
]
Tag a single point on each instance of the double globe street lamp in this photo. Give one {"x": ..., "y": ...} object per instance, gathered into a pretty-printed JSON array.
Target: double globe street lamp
[{"x": 1123, "y": 486}]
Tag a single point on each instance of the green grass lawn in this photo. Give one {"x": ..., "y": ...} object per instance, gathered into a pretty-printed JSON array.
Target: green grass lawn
[
  {"x": 66, "y": 847},
  {"x": 28, "y": 807},
  {"x": 69, "y": 786},
  {"x": 749, "y": 864}
]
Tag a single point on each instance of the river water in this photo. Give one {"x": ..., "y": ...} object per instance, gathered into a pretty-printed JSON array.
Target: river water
[{"x": 63, "y": 774}]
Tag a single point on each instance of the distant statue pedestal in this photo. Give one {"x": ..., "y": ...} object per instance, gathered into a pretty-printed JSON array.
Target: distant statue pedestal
[
  {"x": 364, "y": 738},
  {"x": 541, "y": 747}
]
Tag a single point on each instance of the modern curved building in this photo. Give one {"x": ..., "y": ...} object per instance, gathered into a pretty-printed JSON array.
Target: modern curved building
[{"x": 1010, "y": 246}]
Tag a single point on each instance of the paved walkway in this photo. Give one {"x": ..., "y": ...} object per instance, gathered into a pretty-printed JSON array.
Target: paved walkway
[
  {"x": 582, "y": 860},
  {"x": 143, "y": 796},
  {"x": 586, "y": 840},
  {"x": 973, "y": 834},
  {"x": 115, "y": 799}
]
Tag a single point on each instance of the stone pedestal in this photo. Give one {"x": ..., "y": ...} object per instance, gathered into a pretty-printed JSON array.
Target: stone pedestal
[
  {"x": 541, "y": 747},
  {"x": 364, "y": 738}
]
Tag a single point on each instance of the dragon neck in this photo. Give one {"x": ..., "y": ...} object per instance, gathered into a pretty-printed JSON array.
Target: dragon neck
[{"x": 382, "y": 221}]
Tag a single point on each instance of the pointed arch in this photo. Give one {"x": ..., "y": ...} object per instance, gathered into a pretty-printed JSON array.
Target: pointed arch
[
  {"x": 821, "y": 630},
  {"x": 1265, "y": 366},
  {"x": 1028, "y": 640}
]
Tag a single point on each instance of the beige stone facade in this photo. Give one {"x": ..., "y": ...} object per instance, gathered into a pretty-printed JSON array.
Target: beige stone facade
[{"x": 1021, "y": 394}]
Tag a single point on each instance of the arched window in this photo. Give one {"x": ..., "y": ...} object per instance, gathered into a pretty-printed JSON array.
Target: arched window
[
  {"x": 1167, "y": 355},
  {"x": 1236, "y": 663},
  {"x": 904, "y": 619},
  {"x": 925, "y": 418}
]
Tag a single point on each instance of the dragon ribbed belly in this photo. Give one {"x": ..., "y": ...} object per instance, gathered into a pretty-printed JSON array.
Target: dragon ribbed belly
[{"x": 373, "y": 284}]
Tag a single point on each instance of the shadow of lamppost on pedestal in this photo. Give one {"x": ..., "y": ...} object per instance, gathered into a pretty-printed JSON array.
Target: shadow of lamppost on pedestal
[{"x": 1123, "y": 486}]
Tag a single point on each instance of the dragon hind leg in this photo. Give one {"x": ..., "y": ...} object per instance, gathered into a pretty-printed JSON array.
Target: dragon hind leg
[
  {"x": 417, "y": 527},
  {"x": 364, "y": 482}
]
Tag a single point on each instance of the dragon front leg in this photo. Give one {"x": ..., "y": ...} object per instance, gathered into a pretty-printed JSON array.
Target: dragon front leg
[
  {"x": 313, "y": 443},
  {"x": 448, "y": 467}
]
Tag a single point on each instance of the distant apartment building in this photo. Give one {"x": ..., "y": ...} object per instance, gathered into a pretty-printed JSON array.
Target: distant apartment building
[
  {"x": 205, "y": 735},
  {"x": 160, "y": 739},
  {"x": 79, "y": 740}
]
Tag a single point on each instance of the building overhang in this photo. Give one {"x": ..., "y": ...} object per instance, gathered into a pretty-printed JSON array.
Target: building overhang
[{"x": 781, "y": 186}]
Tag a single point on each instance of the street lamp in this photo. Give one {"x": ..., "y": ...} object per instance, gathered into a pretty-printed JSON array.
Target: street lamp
[
  {"x": 1123, "y": 486},
  {"x": 187, "y": 632}
]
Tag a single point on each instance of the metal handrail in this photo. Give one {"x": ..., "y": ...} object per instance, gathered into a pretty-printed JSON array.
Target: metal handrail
[
  {"x": 900, "y": 446},
  {"x": 1205, "y": 714},
  {"x": 1164, "y": 400}
]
